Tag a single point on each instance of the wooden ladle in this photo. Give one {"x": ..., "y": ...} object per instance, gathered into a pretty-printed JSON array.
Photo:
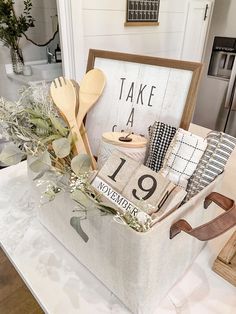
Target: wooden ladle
[{"x": 65, "y": 98}]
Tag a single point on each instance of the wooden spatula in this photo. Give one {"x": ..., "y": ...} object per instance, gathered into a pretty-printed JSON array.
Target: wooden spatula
[
  {"x": 83, "y": 131},
  {"x": 65, "y": 98},
  {"x": 91, "y": 88}
]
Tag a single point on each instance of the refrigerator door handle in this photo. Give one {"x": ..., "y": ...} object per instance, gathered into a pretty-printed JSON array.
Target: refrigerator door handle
[
  {"x": 231, "y": 87},
  {"x": 234, "y": 98}
]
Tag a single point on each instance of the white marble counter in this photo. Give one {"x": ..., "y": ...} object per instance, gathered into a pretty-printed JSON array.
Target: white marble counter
[
  {"x": 47, "y": 73},
  {"x": 62, "y": 285}
]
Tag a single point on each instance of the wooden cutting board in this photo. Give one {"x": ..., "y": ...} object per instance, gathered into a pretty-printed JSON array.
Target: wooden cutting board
[{"x": 225, "y": 264}]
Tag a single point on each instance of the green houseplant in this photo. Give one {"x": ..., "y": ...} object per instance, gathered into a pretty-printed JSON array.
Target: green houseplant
[{"x": 12, "y": 27}]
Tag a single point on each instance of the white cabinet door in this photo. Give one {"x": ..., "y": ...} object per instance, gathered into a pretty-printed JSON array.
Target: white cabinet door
[{"x": 196, "y": 29}]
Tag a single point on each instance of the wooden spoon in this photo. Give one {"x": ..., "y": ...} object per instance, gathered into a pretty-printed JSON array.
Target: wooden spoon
[
  {"x": 91, "y": 88},
  {"x": 83, "y": 131},
  {"x": 65, "y": 98}
]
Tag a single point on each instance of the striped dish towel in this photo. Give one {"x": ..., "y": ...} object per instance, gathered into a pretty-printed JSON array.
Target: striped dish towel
[
  {"x": 160, "y": 135},
  {"x": 219, "y": 148},
  {"x": 182, "y": 157}
]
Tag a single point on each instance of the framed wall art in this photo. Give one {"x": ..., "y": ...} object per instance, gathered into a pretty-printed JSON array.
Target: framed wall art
[
  {"x": 139, "y": 91},
  {"x": 142, "y": 12}
]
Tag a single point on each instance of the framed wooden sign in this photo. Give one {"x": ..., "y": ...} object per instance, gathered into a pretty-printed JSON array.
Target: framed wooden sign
[
  {"x": 139, "y": 91},
  {"x": 142, "y": 12}
]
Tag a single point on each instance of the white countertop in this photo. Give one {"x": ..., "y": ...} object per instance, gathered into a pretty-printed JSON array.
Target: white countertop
[
  {"x": 36, "y": 77},
  {"x": 25, "y": 79},
  {"x": 62, "y": 285}
]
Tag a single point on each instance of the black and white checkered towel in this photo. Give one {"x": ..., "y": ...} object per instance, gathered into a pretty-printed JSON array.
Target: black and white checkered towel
[
  {"x": 182, "y": 157},
  {"x": 212, "y": 163},
  {"x": 161, "y": 135}
]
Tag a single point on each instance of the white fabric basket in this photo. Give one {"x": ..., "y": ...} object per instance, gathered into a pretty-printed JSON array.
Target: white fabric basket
[{"x": 139, "y": 268}]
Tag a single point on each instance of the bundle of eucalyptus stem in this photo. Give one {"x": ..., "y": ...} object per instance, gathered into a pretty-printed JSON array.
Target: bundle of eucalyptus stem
[{"x": 35, "y": 130}]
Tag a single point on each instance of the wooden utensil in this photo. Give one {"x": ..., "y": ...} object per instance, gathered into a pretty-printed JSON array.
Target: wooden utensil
[
  {"x": 65, "y": 98},
  {"x": 91, "y": 88},
  {"x": 83, "y": 131}
]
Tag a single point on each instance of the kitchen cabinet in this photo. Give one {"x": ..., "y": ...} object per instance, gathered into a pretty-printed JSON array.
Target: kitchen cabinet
[{"x": 196, "y": 29}]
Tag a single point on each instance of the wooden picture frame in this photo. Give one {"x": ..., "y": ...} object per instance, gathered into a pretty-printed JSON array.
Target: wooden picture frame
[
  {"x": 177, "y": 83},
  {"x": 142, "y": 12}
]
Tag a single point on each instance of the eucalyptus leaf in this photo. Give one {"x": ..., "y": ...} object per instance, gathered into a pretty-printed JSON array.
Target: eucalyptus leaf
[
  {"x": 107, "y": 209},
  {"x": 58, "y": 126},
  {"x": 40, "y": 123},
  {"x": 50, "y": 138},
  {"x": 81, "y": 198},
  {"x": 61, "y": 147},
  {"x": 41, "y": 132},
  {"x": 35, "y": 113},
  {"x": 11, "y": 155},
  {"x": 40, "y": 163},
  {"x": 80, "y": 164}
]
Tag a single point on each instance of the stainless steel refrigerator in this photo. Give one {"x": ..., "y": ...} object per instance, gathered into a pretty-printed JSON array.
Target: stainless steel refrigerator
[{"x": 216, "y": 103}]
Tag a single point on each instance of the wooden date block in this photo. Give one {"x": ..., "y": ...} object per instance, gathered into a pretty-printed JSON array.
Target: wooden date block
[
  {"x": 118, "y": 170},
  {"x": 126, "y": 184},
  {"x": 148, "y": 186}
]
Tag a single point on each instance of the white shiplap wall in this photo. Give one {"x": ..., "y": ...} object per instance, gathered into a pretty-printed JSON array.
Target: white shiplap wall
[{"x": 103, "y": 28}]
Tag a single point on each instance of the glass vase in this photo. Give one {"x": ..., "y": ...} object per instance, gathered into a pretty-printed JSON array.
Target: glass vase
[{"x": 17, "y": 60}]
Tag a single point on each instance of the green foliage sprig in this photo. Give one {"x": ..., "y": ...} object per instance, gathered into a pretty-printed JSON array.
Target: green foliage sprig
[
  {"x": 36, "y": 130},
  {"x": 33, "y": 122},
  {"x": 12, "y": 27}
]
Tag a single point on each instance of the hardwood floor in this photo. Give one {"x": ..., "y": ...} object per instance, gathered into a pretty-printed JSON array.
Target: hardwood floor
[{"x": 15, "y": 297}]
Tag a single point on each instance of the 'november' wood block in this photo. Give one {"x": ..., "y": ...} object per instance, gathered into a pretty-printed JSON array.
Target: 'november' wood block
[
  {"x": 118, "y": 170},
  {"x": 148, "y": 186}
]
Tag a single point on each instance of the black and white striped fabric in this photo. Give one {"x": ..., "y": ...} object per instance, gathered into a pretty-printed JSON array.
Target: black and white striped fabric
[
  {"x": 219, "y": 148},
  {"x": 161, "y": 135},
  {"x": 182, "y": 157}
]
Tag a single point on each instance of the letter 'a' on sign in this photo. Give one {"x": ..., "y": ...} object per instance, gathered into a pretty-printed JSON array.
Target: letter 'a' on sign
[
  {"x": 118, "y": 170},
  {"x": 146, "y": 185}
]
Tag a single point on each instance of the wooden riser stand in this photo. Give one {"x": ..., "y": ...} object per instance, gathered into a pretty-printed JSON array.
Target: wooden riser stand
[{"x": 225, "y": 264}]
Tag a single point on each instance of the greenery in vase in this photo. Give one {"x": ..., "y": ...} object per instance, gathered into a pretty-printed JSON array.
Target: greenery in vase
[{"x": 12, "y": 27}]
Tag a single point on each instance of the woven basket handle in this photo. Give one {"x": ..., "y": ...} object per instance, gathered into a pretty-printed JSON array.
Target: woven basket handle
[{"x": 213, "y": 228}]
